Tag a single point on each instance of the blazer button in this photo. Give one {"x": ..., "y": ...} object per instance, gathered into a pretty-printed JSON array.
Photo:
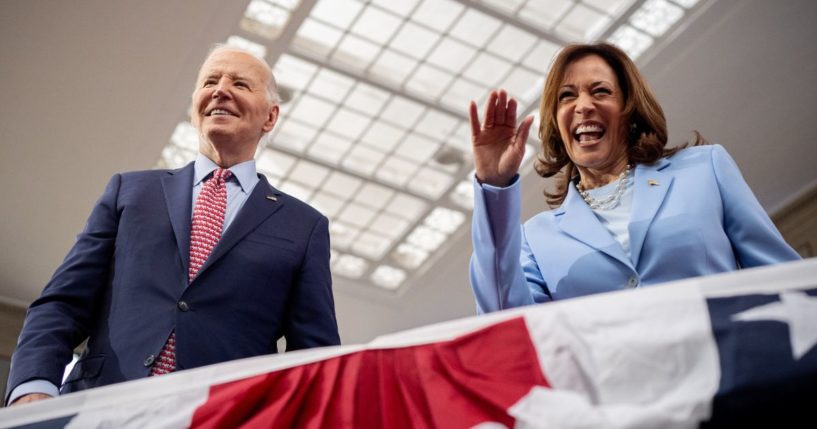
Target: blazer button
[
  {"x": 183, "y": 306},
  {"x": 633, "y": 282},
  {"x": 149, "y": 360}
]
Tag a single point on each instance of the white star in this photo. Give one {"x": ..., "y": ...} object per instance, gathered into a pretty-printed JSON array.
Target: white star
[{"x": 798, "y": 310}]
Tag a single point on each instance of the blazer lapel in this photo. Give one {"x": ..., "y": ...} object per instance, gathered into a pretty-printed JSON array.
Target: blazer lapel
[
  {"x": 649, "y": 191},
  {"x": 178, "y": 188},
  {"x": 575, "y": 218},
  {"x": 256, "y": 209}
]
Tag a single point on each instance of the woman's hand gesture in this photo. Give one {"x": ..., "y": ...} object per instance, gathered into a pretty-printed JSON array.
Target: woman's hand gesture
[{"x": 498, "y": 144}]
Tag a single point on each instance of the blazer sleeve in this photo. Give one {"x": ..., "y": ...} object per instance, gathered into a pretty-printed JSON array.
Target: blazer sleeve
[
  {"x": 60, "y": 319},
  {"x": 755, "y": 239},
  {"x": 503, "y": 271},
  {"x": 311, "y": 320}
]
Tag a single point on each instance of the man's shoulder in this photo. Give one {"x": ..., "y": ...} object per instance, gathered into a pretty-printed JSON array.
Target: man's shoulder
[{"x": 301, "y": 207}]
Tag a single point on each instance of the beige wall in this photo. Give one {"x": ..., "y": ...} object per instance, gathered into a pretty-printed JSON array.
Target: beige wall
[{"x": 798, "y": 223}]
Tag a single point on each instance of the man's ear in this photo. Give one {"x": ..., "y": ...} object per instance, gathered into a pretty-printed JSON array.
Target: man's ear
[{"x": 272, "y": 118}]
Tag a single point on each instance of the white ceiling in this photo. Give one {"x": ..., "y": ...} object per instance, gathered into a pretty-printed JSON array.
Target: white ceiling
[{"x": 96, "y": 87}]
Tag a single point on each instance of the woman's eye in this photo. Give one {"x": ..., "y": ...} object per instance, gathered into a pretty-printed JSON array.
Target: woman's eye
[
  {"x": 566, "y": 96},
  {"x": 603, "y": 91}
]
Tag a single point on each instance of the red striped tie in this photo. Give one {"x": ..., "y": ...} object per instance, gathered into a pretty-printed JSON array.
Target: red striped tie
[{"x": 208, "y": 220}]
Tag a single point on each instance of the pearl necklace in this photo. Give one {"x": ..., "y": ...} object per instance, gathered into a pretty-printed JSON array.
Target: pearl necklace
[{"x": 610, "y": 201}]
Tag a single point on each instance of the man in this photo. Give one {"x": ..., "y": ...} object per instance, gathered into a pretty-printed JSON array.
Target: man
[{"x": 156, "y": 286}]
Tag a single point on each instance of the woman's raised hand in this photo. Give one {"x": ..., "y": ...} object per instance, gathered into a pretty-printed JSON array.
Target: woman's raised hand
[{"x": 497, "y": 143}]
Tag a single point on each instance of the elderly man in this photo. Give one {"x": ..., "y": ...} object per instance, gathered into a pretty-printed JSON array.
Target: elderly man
[{"x": 183, "y": 268}]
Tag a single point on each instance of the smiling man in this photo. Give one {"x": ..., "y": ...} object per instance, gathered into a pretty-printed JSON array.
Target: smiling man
[{"x": 177, "y": 269}]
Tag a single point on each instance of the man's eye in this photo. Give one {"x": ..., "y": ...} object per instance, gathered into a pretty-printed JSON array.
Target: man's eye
[
  {"x": 209, "y": 82},
  {"x": 242, "y": 84}
]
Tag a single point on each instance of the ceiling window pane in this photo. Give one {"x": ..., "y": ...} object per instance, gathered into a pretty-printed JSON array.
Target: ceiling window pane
[
  {"x": 339, "y": 13},
  {"x": 388, "y": 225},
  {"x": 401, "y": 7},
  {"x": 429, "y": 82},
  {"x": 331, "y": 85},
  {"x": 326, "y": 204},
  {"x": 312, "y": 110},
  {"x": 293, "y": 72},
  {"x": 475, "y": 28},
  {"x": 656, "y": 17},
  {"x": 582, "y": 24},
  {"x": 343, "y": 235},
  {"x": 294, "y": 135},
  {"x": 316, "y": 37},
  {"x": 511, "y": 43},
  {"x": 175, "y": 157},
  {"x": 414, "y": 40},
  {"x": 431, "y": 183},
  {"x": 417, "y": 148},
  {"x": 407, "y": 207},
  {"x": 348, "y": 123},
  {"x": 356, "y": 215},
  {"x": 342, "y": 185},
  {"x": 632, "y": 41},
  {"x": 542, "y": 56},
  {"x": 362, "y": 160},
  {"x": 383, "y": 136},
  {"x": 355, "y": 52},
  {"x": 544, "y": 13},
  {"x": 392, "y": 67},
  {"x": 686, "y": 3},
  {"x": 506, "y": 6},
  {"x": 297, "y": 190},
  {"x": 426, "y": 238},
  {"x": 349, "y": 266},
  {"x": 463, "y": 194},
  {"x": 451, "y": 55},
  {"x": 372, "y": 246},
  {"x": 396, "y": 171},
  {"x": 274, "y": 163},
  {"x": 408, "y": 256},
  {"x": 308, "y": 173},
  {"x": 524, "y": 84},
  {"x": 388, "y": 277},
  {"x": 437, "y": 14},
  {"x": 256, "y": 49},
  {"x": 367, "y": 99},
  {"x": 402, "y": 111},
  {"x": 488, "y": 69},
  {"x": 445, "y": 220},
  {"x": 374, "y": 195},
  {"x": 329, "y": 147},
  {"x": 614, "y": 8},
  {"x": 461, "y": 93},
  {"x": 376, "y": 25},
  {"x": 185, "y": 136},
  {"x": 266, "y": 18},
  {"x": 437, "y": 124}
]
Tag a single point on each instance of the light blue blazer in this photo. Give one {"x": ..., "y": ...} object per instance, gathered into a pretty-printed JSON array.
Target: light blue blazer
[{"x": 692, "y": 215}]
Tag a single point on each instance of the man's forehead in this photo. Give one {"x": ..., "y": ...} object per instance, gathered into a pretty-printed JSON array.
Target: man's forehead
[{"x": 232, "y": 63}]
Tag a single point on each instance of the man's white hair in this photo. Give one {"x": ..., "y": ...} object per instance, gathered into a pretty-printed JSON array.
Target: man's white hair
[{"x": 272, "y": 86}]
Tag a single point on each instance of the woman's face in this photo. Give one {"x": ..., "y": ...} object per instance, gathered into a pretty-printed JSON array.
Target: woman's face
[{"x": 588, "y": 112}]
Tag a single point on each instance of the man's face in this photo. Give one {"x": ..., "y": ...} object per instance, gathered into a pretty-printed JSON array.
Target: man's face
[{"x": 231, "y": 107}]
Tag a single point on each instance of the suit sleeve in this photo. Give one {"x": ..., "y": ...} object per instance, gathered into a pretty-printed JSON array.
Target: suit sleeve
[
  {"x": 503, "y": 271},
  {"x": 61, "y": 318},
  {"x": 755, "y": 239},
  {"x": 311, "y": 318}
]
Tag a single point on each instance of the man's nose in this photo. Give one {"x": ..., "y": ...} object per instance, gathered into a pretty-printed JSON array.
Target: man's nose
[{"x": 222, "y": 89}]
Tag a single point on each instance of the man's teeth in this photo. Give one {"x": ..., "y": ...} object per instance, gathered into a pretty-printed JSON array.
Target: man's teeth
[{"x": 215, "y": 112}]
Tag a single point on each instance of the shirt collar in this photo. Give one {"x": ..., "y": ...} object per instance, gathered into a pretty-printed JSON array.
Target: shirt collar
[{"x": 244, "y": 172}]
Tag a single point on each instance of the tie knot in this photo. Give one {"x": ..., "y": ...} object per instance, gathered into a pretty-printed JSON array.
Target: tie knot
[{"x": 221, "y": 175}]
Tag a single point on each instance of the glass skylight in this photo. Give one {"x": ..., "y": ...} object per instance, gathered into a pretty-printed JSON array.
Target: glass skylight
[{"x": 373, "y": 128}]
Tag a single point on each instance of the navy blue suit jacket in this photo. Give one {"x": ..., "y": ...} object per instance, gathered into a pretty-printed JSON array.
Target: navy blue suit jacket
[{"x": 124, "y": 286}]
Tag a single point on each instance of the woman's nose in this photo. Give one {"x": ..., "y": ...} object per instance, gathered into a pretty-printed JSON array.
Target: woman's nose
[{"x": 584, "y": 104}]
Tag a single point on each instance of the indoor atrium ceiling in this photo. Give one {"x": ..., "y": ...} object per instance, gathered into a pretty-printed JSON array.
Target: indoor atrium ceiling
[{"x": 373, "y": 130}]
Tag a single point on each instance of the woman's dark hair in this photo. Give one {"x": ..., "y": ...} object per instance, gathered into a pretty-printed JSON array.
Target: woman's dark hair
[{"x": 642, "y": 115}]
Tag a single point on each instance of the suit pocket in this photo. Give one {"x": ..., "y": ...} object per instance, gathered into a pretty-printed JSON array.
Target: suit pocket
[{"x": 85, "y": 368}]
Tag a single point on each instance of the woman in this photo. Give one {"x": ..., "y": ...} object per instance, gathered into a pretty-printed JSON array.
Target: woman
[{"x": 629, "y": 212}]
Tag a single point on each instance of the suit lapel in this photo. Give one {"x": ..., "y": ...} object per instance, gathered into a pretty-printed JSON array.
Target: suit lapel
[
  {"x": 576, "y": 219},
  {"x": 256, "y": 209},
  {"x": 649, "y": 191},
  {"x": 178, "y": 189}
]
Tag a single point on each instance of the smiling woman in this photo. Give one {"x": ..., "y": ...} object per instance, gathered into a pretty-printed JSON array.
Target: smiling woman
[{"x": 628, "y": 212}]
